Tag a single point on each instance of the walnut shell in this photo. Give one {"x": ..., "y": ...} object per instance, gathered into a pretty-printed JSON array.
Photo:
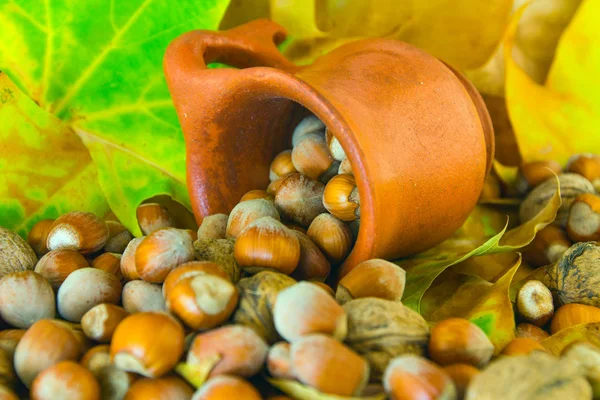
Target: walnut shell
[
  {"x": 380, "y": 330},
  {"x": 219, "y": 251},
  {"x": 571, "y": 186},
  {"x": 575, "y": 278},
  {"x": 15, "y": 254},
  {"x": 256, "y": 301},
  {"x": 535, "y": 376}
]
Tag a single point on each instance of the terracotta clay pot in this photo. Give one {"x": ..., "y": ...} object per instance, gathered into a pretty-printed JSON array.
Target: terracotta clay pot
[{"x": 416, "y": 132}]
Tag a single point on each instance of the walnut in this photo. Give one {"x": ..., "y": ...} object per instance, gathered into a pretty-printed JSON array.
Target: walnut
[
  {"x": 219, "y": 251},
  {"x": 380, "y": 330},
  {"x": 15, "y": 254},
  {"x": 536, "y": 376},
  {"x": 571, "y": 186},
  {"x": 256, "y": 301},
  {"x": 575, "y": 278}
]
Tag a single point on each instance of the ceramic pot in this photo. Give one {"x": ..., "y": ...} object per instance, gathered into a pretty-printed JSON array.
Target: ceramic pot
[{"x": 416, "y": 132}]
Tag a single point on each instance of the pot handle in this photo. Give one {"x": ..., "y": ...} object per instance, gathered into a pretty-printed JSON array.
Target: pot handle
[{"x": 250, "y": 45}]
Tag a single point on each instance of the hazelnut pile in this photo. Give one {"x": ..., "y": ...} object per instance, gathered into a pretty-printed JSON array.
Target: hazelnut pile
[{"x": 232, "y": 310}]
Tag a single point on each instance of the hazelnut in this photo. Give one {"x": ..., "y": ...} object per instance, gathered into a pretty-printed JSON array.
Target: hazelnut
[
  {"x": 56, "y": 265},
  {"x": 332, "y": 236},
  {"x": 203, "y": 301},
  {"x": 279, "y": 363},
  {"x": 525, "y": 330},
  {"x": 9, "y": 338},
  {"x": 109, "y": 262},
  {"x": 114, "y": 382},
  {"x": 142, "y": 296},
  {"x": 219, "y": 251},
  {"x": 118, "y": 237},
  {"x": 84, "y": 289},
  {"x": 81, "y": 231},
  {"x": 531, "y": 174},
  {"x": 152, "y": 217},
  {"x": 266, "y": 244},
  {"x": 45, "y": 343},
  {"x": 65, "y": 380},
  {"x": 584, "y": 218},
  {"x": 327, "y": 365},
  {"x": 165, "y": 388},
  {"x": 237, "y": 349},
  {"x": 535, "y": 303},
  {"x": 281, "y": 165},
  {"x": 213, "y": 227},
  {"x": 299, "y": 199},
  {"x": 227, "y": 387},
  {"x": 547, "y": 247},
  {"x": 457, "y": 340},
  {"x": 313, "y": 264},
  {"x": 325, "y": 287},
  {"x": 8, "y": 377},
  {"x": 341, "y": 199},
  {"x": 311, "y": 156},
  {"x": 335, "y": 148},
  {"x": 100, "y": 322},
  {"x": 412, "y": 377},
  {"x": 272, "y": 188},
  {"x": 15, "y": 254},
  {"x": 25, "y": 298},
  {"x": 461, "y": 375},
  {"x": 304, "y": 308},
  {"x": 37, "y": 236},
  {"x": 587, "y": 358},
  {"x": 345, "y": 167},
  {"x": 376, "y": 324},
  {"x": 310, "y": 124},
  {"x": 586, "y": 165},
  {"x": 521, "y": 346},
  {"x": 257, "y": 194},
  {"x": 190, "y": 269},
  {"x": 372, "y": 278},
  {"x": 247, "y": 212},
  {"x": 573, "y": 314},
  {"x": 162, "y": 251},
  {"x": 575, "y": 278},
  {"x": 257, "y": 295},
  {"x": 546, "y": 377},
  {"x": 128, "y": 269},
  {"x": 571, "y": 186},
  {"x": 147, "y": 343}
]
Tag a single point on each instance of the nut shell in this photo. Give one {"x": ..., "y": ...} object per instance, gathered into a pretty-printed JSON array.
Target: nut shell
[
  {"x": 380, "y": 330},
  {"x": 328, "y": 366},
  {"x": 525, "y": 330},
  {"x": 84, "y": 289},
  {"x": 81, "y": 231},
  {"x": 573, "y": 314},
  {"x": 310, "y": 124},
  {"x": 244, "y": 213},
  {"x": 332, "y": 236},
  {"x": 341, "y": 199},
  {"x": 45, "y": 343},
  {"x": 267, "y": 244},
  {"x": 372, "y": 278},
  {"x": 128, "y": 269},
  {"x": 461, "y": 375},
  {"x": 242, "y": 352},
  {"x": 15, "y": 254},
  {"x": 571, "y": 186},
  {"x": 161, "y": 252},
  {"x": 25, "y": 298},
  {"x": 101, "y": 321},
  {"x": 108, "y": 262},
  {"x": 279, "y": 363},
  {"x": 575, "y": 278},
  {"x": 311, "y": 156},
  {"x": 66, "y": 380},
  {"x": 213, "y": 227},
  {"x": 457, "y": 340},
  {"x": 142, "y": 296},
  {"x": 584, "y": 218},
  {"x": 189, "y": 269},
  {"x": 257, "y": 295},
  {"x": 226, "y": 387},
  {"x": 299, "y": 199},
  {"x": 37, "y": 236},
  {"x": 281, "y": 165},
  {"x": 57, "y": 265},
  {"x": 165, "y": 388},
  {"x": 522, "y": 346},
  {"x": 535, "y": 303},
  {"x": 313, "y": 265},
  {"x": 304, "y": 308},
  {"x": 118, "y": 237},
  {"x": 147, "y": 343},
  {"x": 152, "y": 217},
  {"x": 532, "y": 174}
]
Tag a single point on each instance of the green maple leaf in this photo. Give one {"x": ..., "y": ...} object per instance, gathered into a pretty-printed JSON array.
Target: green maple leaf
[{"x": 97, "y": 65}]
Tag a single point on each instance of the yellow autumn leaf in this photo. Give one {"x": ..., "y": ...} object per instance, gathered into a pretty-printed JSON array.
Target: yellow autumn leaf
[
  {"x": 560, "y": 118},
  {"x": 589, "y": 333},
  {"x": 300, "y": 391}
]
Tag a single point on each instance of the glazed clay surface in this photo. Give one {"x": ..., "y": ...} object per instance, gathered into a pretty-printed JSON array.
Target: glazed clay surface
[{"x": 416, "y": 132}]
